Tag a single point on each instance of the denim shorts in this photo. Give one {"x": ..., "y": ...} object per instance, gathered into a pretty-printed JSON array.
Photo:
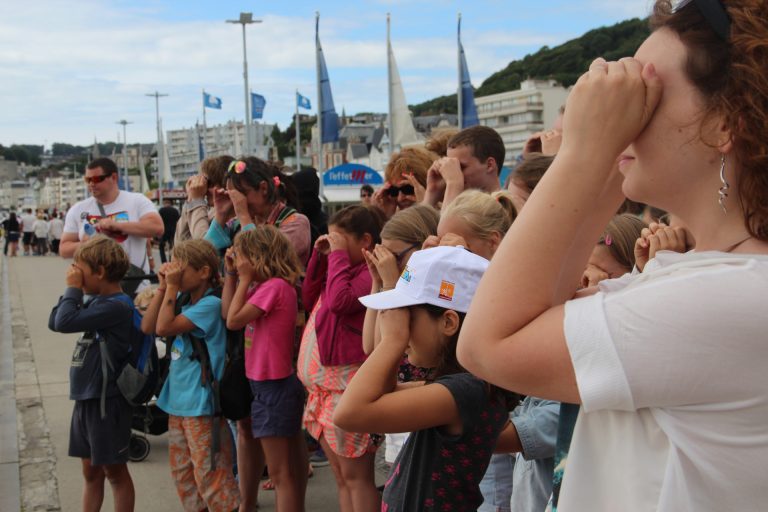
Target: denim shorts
[{"x": 277, "y": 407}]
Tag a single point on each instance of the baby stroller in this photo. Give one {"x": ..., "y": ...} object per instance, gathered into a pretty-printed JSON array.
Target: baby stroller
[{"x": 147, "y": 419}]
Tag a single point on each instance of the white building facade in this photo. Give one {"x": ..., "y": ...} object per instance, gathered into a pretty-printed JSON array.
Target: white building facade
[
  {"x": 225, "y": 139},
  {"x": 516, "y": 115}
]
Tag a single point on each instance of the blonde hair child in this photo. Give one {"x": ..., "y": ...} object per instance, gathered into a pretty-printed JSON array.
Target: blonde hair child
[
  {"x": 475, "y": 220},
  {"x": 262, "y": 270},
  {"x": 193, "y": 429}
]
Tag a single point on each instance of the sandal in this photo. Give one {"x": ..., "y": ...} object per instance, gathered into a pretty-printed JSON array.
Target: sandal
[{"x": 268, "y": 485}]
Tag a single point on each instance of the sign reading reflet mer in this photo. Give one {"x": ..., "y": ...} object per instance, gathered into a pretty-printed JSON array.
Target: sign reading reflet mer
[{"x": 351, "y": 175}]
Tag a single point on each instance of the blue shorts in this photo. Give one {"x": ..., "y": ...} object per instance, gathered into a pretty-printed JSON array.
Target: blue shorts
[
  {"x": 277, "y": 407},
  {"x": 104, "y": 441}
]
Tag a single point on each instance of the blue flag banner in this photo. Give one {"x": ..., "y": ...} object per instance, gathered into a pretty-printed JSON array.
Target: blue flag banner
[
  {"x": 258, "y": 102},
  {"x": 468, "y": 108},
  {"x": 303, "y": 102},
  {"x": 211, "y": 101},
  {"x": 328, "y": 116}
]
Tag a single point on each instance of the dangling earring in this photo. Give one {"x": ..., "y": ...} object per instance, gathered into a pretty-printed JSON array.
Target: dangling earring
[{"x": 723, "y": 192}]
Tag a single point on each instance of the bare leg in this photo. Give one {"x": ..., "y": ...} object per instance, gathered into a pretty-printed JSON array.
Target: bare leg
[
  {"x": 359, "y": 475},
  {"x": 93, "y": 489},
  {"x": 250, "y": 466},
  {"x": 287, "y": 461},
  {"x": 122, "y": 487},
  {"x": 345, "y": 499}
]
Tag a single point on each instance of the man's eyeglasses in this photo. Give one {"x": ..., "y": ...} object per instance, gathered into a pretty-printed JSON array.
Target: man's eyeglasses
[
  {"x": 96, "y": 179},
  {"x": 400, "y": 255},
  {"x": 407, "y": 190}
]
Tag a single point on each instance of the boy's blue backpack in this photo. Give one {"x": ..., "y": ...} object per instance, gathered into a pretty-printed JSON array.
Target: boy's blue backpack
[{"x": 138, "y": 377}]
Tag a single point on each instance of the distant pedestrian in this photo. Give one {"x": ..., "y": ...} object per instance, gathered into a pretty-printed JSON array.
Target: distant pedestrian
[
  {"x": 41, "y": 228},
  {"x": 366, "y": 194},
  {"x": 55, "y": 230},
  {"x": 170, "y": 216},
  {"x": 12, "y": 228},
  {"x": 101, "y": 430},
  {"x": 28, "y": 231}
]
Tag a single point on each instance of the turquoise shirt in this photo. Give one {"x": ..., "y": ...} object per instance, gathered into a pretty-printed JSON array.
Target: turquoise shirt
[{"x": 182, "y": 393}]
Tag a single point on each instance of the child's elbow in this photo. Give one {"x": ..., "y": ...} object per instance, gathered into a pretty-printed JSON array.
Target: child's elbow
[
  {"x": 343, "y": 419},
  {"x": 466, "y": 355},
  {"x": 234, "y": 325},
  {"x": 163, "y": 331}
]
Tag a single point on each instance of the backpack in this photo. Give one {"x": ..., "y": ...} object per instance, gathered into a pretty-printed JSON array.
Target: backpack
[{"x": 137, "y": 379}]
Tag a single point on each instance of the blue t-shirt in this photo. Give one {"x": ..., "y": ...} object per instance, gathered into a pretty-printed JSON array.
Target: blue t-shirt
[{"x": 182, "y": 393}]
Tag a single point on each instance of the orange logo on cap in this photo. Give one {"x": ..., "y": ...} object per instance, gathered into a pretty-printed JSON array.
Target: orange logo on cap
[{"x": 446, "y": 290}]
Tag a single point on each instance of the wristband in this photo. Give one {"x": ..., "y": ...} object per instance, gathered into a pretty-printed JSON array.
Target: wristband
[
  {"x": 249, "y": 226},
  {"x": 195, "y": 203}
]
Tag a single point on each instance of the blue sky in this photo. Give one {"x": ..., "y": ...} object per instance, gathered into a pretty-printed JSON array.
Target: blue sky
[{"x": 71, "y": 69}]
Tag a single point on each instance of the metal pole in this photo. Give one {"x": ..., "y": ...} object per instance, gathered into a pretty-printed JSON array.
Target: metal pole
[
  {"x": 459, "y": 95},
  {"x": 157, "y": 96},
  {"x": 247, "y": 100},
  {"x": 246, "y": 18},
  {"x": 298, "y": 135}
]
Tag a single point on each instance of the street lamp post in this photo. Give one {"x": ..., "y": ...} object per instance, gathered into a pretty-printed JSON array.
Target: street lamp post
[
  {"x": 125, "y": 154},
  {"x": 157, "y": 97},
  {"x": 246, "y": 18}
]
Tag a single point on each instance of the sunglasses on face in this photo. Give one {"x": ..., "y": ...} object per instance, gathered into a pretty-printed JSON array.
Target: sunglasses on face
[
  {"x": 406, "y": 190},
  {"x": 96, "y": 179},
  {"x": 365, "y": 194}
]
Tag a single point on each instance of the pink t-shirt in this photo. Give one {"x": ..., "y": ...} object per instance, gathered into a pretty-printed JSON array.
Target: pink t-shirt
[{"x": 269, "y": 340}]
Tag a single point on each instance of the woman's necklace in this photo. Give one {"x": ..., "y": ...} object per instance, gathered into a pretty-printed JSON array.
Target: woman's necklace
[{"x": 737, "y": 244}]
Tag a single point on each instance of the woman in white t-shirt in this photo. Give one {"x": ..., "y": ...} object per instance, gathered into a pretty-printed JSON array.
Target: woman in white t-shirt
[
  {"x": 40, "y": 227},
  {"x": 668, "y": 366}
]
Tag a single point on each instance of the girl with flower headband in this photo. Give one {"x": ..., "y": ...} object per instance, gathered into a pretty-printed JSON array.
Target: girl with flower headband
[{"x": 255, "y": 192}]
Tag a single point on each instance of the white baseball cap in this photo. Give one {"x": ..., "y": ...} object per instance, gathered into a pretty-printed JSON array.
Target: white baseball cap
[{"x": 442, "y": 276}]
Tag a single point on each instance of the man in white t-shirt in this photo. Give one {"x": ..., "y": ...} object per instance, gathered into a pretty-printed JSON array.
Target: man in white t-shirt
[
  {"x": 128, "y": 217},
  {"x": 28, "y": 231},
  {"x": 55, "y": 230}
]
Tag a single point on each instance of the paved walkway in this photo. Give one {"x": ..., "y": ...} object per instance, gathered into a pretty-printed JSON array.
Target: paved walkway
[{"x": 35, "y": 472}]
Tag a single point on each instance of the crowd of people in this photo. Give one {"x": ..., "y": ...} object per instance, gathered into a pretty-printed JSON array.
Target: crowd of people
[
  {"x": 587, "y": 336},
  {"x": 40, "y": 233}
]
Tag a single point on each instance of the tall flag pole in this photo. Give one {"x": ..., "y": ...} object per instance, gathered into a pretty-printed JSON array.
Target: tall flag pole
[
  {"x": 327, "y": 119},
  {"x": 459, "y": 97},
  {"x": 204, "y": 123},
  {"x": 298, "y": 135},
  {"x": 302, "y": 102},
  {"x": 466, "y": 95}
]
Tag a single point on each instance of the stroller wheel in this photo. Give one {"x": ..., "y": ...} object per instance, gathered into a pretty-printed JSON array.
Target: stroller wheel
[{"x": 138, "y": 448}]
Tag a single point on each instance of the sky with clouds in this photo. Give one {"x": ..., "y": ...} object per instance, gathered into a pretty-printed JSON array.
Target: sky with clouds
[{"x": 72, "y": 68}]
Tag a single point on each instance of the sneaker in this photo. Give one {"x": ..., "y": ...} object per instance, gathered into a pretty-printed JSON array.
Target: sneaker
[{"x": 318, "y": 459}]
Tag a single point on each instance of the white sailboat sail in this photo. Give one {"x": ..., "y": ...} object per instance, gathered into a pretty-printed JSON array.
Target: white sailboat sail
[
  {"x": 142, "y": 172},
  {"x": 401, "y": 129}
]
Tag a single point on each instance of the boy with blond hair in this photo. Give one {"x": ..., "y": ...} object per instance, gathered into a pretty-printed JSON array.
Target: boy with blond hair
[{"x": 101, "y": 420}]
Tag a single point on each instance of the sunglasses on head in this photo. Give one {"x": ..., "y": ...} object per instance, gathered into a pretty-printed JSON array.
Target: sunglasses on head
[
  {"x": 407, "y": 190},
  {"x": 714, "y": 12},
  {"x": 96, "y": 179}
]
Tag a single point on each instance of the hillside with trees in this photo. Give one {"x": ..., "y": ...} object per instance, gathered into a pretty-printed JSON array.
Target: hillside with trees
[{"x": 564, "y": 63}]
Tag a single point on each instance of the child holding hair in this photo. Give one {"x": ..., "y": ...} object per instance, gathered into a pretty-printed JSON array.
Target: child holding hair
[
  {"x": 99, "y": 434},
  {"x": 475, "y": 220},
  {"x": 332, "y": 349},
  {"x": 262, "y": 270},
  {"x": 456, "y": 418},
  {"x": 198, "y": 441}
]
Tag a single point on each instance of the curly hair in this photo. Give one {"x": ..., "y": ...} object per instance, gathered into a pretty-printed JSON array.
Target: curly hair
[
  {"x": 198, "y": 254},
  {"x": 412, "y": 159},
  {"x": 438, "y": 141},
  {"x": 270, "y": 253},
  {"x": 215, "y": 169},
  {"x": 732, "y": 77}
]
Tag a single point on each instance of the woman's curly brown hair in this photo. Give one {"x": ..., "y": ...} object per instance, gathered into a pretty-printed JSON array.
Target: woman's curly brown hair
[
  {"x": 732, "y": 77},
  {"x": 412, "y": 159}
]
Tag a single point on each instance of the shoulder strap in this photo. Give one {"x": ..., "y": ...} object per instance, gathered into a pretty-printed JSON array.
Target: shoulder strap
[
  {"x": 101, "y": 209},
  {"x": 284, "y": 214}
]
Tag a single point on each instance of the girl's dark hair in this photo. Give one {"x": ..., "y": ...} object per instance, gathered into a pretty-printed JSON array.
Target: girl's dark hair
[
  {"x": 360, "y": 219},
  {"x": 450, "y": 365},
  {"x": 279, "y": 185},
  {"x": 732, "y": 77}
]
